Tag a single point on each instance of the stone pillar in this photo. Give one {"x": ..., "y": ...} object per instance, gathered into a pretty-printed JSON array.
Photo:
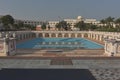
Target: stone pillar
[
  {"x": 63, "y": 35},
  {"x": 105, "y": 47},
  {"x": 37, "y": 35},
  {"x": 96, "y": 37},
  {"x": 115, "y": 48},
  {"x": 82, "y": 35},
  {"x": 50, "y": 35},
  {"x": 76, "y": 35},
  {"x": 43, "y": 34},
  {"x": 69, "y": 35},
  {"x": 89, "y": 35},
  {"x": 56, "y": 35}
]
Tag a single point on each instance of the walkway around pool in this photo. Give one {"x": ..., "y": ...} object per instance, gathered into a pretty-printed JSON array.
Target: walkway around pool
[{"x": 67, "y": 53}]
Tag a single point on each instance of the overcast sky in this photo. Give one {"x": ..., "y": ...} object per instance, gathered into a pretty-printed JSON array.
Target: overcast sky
[{"x": 56, "y": 9}]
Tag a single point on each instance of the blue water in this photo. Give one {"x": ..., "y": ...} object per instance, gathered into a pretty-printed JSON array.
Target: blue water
[{"x": 64, "y": 43}]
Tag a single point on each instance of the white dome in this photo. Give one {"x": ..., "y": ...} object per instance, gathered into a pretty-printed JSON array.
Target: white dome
[{"x": 79, "y": 17}]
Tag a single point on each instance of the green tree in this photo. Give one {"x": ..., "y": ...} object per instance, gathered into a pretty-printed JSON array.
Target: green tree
[
  {"x": 80, "y": 25},
  {"x": 58, "y": 26},
  {"x": 103, "y": 21},
  {"x": 19, "y": 25},
  {"x": 62, "y": 25},
  {"x": 43, "y": 26},
  {"x": 117, "y": 21},
  {"x": 7, "y": 21},
  {"x": 48, "y": 27},
  {"x": 109, "y": 21},
  {"x": 68, "y": 26}
]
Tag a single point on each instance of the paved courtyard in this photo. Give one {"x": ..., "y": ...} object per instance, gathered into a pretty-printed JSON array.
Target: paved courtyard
[{"x": 102, "y": 69}]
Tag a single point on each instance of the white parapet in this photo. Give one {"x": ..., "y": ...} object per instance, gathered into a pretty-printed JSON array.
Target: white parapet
[{"x": 111, "y": 46}]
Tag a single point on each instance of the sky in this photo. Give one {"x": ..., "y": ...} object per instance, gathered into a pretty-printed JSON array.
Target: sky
[{"x": 59, "y": 9}]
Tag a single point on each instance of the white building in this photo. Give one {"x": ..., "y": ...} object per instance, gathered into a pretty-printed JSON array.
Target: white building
[
  {"x": 72, "y": 22},
  {"x": 92, "y": 21},
  {"x": 30, "y": 22},
  {"x": 52, "y": 24}
]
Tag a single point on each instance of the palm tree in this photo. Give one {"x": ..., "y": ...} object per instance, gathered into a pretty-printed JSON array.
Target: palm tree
[{"x": 109, "y": 21}]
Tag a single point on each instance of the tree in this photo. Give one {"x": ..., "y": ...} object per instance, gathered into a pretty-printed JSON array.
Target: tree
[
  {"x": 93, "y": 27},
  {"x": 102, "y": 21},
  {"x": 48, "y": 27},
  {"x": 19, "y": 25},
  {"x": 109, "y": 21},
  {"x": 62, "y": 25},
  {"x": 7, "y": 21},
  {"x": 58, "y": 26},
  {"x": 68, "y": 26},
  {"x": 43, "y": 26},
  {"x": 117, "y": 21},
  {"x": 80, "y": 25}
]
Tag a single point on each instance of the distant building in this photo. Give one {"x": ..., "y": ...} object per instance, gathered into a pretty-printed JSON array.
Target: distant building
[
  {"x": 92, "y": 21},
  {"x": 29, "y": 22},
  {"x": 52, "y": 24},
  {"x": 72, "y": 22}
]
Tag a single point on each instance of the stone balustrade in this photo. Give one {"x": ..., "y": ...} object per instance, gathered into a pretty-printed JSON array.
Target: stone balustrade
[
  {"x": 111, "y": 47},
  {"x": 95, "y": 35}
]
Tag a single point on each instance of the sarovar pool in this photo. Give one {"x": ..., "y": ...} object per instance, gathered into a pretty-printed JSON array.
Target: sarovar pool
[{"x": 59, "y": 43}]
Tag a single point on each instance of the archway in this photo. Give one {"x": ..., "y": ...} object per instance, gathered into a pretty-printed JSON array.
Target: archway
[
  {"x": 53, "y": 35},
  {"x": 72, "y": 35},
  {"x": 79, "y": 35},
  {"x": 40, "y": 35},
  {"x": 86, "y": 35},
  {"x": 46, "y": 34},
  {"x": 66, "y": 35},
  {"x": 59, "y": 34}
]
